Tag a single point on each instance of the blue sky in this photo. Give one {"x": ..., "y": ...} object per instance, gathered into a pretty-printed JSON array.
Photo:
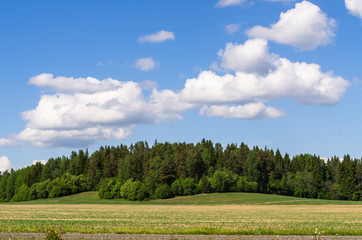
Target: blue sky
[{"x": 80, "y": 74}]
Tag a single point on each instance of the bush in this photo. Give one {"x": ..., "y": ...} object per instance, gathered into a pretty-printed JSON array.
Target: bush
[
  {"x": 106, "y": 187},
  {"x": 134, "y": 190},
  {"x": 204, "y": 185},
  {"x": 188, "y": 186},
  {"x": 126, "y": 188},
  {"x": 223, "y": 182},
  {"x": 252, "y": 187},
  {"x": 32, "y": 192},
  {"x": 115, "y": 191},
  {"x": 55, "y": 192},
  {"x": 176, "y": 188},
  {"x": 42, "y": 190},
  {"x": 22, "y": 194},
  {"x": 163, "y": 192}
]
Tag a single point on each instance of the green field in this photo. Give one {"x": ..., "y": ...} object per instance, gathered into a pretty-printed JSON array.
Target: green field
[{"x": 222, "y": 213}]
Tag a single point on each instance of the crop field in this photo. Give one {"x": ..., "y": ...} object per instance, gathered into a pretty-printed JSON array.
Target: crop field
[{"x": 237, "y": 213}]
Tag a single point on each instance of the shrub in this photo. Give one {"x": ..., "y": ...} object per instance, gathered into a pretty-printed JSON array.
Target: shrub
[
  {"x": 223, "y": 181},
  {"x": 176, "y": 188},
  {"x": 188, "y": 186},
  {"x": 204, "y": 184},
  {"x": 53, "y": 234},
  {"x": 106, "y": 187},
  {"x": 55, "y": 192},
  {"x": 22, "y": 194},
  {"x": 163, "y": 192}
]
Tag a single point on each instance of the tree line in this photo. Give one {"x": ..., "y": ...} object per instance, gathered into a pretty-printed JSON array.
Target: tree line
[{"x": 141, "y": 172}]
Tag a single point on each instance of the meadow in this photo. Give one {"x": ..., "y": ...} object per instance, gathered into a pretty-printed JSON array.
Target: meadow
[{"x": 222, "y": 213}]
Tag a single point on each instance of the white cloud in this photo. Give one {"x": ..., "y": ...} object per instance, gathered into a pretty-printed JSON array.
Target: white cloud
[
  {"x": 304, "y": 26},
  {"x": 148, "y": 85},
  {"x": 146, "y": 64},
  {"x": 225, "y": 3},
  {"x": 78, "y": 118},
  {"x": 40, "y": 161},
  {"x": 167, "y": 104},
  {"x": 70, "y": 138},
  {"x": 69, "y": 84},
  {"x": 84, "y": 110},
  {"x": 232, "y": 28},
  {"x": 9, "y": 141},
  {"x": 303, "y": 82},
  {"x": 248, "y": 111},
  {"x": 250, "y": 57},
  {"x": 215, "y": 67},
  {"x": 101, "y": 64},
  {"x": 160, "y": 36},
  {"x": 354, "y": 7},
  {"x": 5, "y": 164}
]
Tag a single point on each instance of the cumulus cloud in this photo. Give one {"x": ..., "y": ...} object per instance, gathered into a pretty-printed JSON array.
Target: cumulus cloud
[
  {"x": 84, "y": 110},
  {"x": 69, "y": 84},
  {"x": 146, "y": 64},
  {"x": 232, "y": 28},
  {"x": 354, "y": 7},
  {"x": 305, "y": 27},
  {"x": 225, "y": 3},
  {"x": 5, "y": 164},
  {"x": 160, "y": 36},
  {"x": 9, "y": 141},
  {"x": 39, "y": 161},
  {"x": 303, "y": 82},
  {"x": 78, "y": 115},
  {"x": 250, "y": 57},
  {"x": 248, "y": 111}
]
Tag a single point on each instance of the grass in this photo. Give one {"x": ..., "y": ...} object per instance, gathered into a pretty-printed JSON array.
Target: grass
[
  {"x": 200, "y": 199},
  {"x": 227, "y": 213}
]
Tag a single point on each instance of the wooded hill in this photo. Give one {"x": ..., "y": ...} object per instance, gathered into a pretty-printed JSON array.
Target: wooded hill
[{"x": 141, "y": 172}]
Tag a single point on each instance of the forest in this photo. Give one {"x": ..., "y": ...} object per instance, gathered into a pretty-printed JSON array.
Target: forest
[{"x": 164, "y": 170}]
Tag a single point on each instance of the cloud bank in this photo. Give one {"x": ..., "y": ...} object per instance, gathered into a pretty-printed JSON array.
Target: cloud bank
[{"x": 305, "y": 27}]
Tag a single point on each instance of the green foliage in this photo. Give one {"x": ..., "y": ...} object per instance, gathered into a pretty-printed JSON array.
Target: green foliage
[
  {"x": 106, "y": 187},
  {"x": 242, "y": 185},
  {"x": 53, "y": 234},
  {"x": 176, "y": 188},
  {"x": 127, "y": 189},
  {"x": 163, "y": 192},
  {"x": 223, "y": 181},
  {"x": 204, "y": 185},
  {"x": 188, "y": 186},
  {"x": 141, "y": 172},
  {"x": 130, "y": 190},
  {"x": 42, "y": 189},
  {"x": 22, "y": 194}
]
